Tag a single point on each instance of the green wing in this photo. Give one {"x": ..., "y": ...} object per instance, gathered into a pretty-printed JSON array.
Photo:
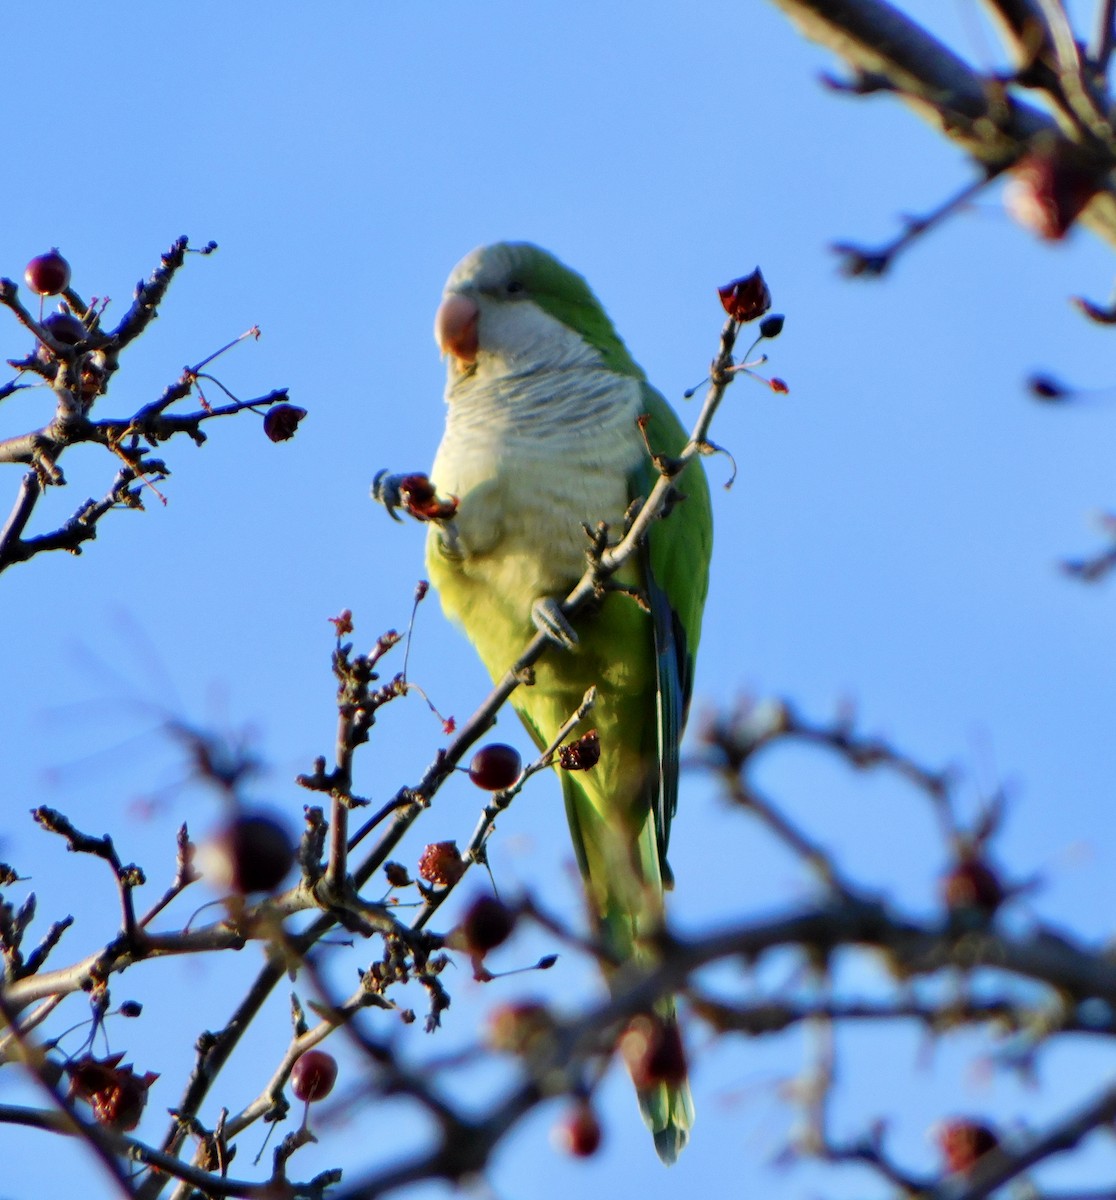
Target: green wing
[{"x": 676, "y": 574}]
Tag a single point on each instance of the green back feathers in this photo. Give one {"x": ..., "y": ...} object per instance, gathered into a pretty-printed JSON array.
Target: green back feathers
[{"x": 680, "y": 546}]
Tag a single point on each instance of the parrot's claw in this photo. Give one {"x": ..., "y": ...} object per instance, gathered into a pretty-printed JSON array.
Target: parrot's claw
[
  {"x": 551, "y": 621},
  {"x": 386, "y": 490}
]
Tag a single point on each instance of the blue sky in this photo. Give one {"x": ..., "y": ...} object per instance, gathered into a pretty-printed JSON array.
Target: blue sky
[{"x": 891, "y": 541}]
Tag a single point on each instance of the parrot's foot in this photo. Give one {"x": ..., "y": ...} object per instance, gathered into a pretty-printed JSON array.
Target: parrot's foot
[
  {"x": 387, "y": 490},
  {"x": 551, "y": 621}
]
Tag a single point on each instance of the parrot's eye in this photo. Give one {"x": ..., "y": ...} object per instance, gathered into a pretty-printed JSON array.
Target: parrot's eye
[{"x": 513, "y": 286}]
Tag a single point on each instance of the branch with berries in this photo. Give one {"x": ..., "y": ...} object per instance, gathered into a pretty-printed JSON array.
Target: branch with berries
[
  {"x": 956, "y": 968},
  {"x": 75, "y": 357},
  {"x": 1046, "y": 124}
]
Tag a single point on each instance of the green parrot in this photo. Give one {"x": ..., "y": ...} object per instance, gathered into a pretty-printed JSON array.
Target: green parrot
[{"x": 541, "y": 440}]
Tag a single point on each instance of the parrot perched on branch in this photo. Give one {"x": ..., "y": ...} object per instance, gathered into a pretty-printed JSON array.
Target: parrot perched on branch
[{"x": 543, "y": 441}]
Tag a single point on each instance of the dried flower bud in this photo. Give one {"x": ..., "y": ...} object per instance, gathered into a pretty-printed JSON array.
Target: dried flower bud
[
  {"x": 1046, "y": 387},
  {"x": 116, "y": 1092},
  {"x": 281, "y": 421},
  {"x": 422, "y": 501},
  {"x": 582, "y": 755},
  {"x": 746, "y": 298},
  {"x": 397, "y": 874},
  {"x": 441, "y": 863},
  {"x": 343, "y": 622}
]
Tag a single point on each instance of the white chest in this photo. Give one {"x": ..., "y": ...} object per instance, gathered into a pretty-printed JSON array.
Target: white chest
[{"x": 530, "y": 475}]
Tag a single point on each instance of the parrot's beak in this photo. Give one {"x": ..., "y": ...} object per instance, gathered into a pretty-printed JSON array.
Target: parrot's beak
[{"x": 455, "y": 328}]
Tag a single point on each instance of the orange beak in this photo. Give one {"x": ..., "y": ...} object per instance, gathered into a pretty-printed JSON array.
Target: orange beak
[{"x": 455, "y": 328}]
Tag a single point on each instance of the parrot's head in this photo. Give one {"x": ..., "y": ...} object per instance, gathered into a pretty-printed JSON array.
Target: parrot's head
[{"x": 512, "y": 307}]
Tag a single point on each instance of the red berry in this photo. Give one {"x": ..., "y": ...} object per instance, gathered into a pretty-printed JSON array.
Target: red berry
[
  {"x": 252, "y": 853},
  {"x": 579, "y": 1132},
  {"x": 495, "y": 767},
  {"x": 313, "y": 1075},
  {"x": 487, "y": 924},
  {"x": 963, "y": 1141},
  {"x": 972, "y": 884},
  {"x": 1048, "y": 192},
  {"x": 48, "y": 274},
  {"x": 652, "y": 1048}
]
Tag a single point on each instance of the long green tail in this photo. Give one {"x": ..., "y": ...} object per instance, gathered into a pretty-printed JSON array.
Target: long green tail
[
  {"x": 624, "y": 888},
  {"x": 668, "y": 1109}
]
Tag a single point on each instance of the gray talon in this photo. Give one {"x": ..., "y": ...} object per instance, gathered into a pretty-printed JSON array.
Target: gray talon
[{"x": 550, "y": 620}]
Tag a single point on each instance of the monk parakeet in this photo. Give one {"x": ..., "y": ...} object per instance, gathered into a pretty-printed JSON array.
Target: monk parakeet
[{"x": 542, "y": 440}]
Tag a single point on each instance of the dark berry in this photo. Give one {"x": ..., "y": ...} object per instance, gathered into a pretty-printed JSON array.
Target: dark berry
[
  {"x": 253, "y": 852},
  {"x": 972, "y": 884},
  {"x": 65, "y": 328},
  {"x": 281, "y": 421},
  {"x": 495, "y": 767},
  {"x": 48, "y": 274},
  {"x": 313, "y": 1075},
  {"x": 772, "y": 326},
  {"x": 487, "y": 924},
  {"x": 579, "y": 1131}
]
